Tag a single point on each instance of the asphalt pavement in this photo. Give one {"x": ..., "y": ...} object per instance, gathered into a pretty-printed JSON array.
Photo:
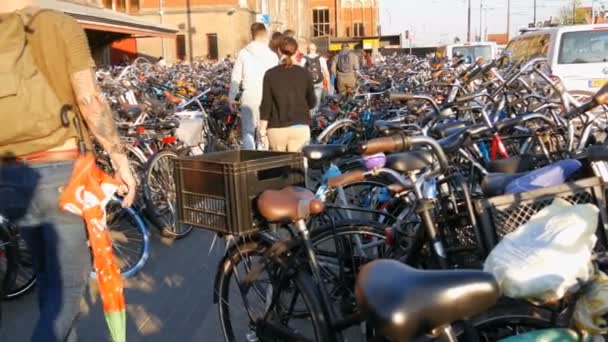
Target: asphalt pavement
[{"x": 171, "y": 299}]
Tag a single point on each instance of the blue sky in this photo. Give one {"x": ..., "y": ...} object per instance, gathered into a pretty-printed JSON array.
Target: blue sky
[{"x": 439, "y": 21}]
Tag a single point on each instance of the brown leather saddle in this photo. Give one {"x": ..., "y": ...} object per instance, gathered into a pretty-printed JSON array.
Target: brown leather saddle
[{"x": 289, "y": 204}]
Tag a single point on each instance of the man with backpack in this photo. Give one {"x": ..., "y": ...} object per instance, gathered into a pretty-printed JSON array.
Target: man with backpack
[
  {"x": 250, "y": 66},
  {"x": 46, "y": 69},
  {"x": 317, "y": 67},
  {"x": 345, "y": 66}
]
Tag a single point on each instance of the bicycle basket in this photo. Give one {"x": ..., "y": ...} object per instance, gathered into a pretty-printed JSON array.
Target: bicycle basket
[
  {"x": 216, "y": 191},
  {"x": 498, "y": 216}
]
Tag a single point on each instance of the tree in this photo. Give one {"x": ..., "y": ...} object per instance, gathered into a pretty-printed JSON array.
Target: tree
[{"x": 565, "y": 13}]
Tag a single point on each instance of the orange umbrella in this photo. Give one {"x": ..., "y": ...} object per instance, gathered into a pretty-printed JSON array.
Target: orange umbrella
[{"x": 87, "y": 194}]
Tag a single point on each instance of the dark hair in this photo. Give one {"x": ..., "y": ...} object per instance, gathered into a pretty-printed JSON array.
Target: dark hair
[
  {"x": 289, "y": 33},
  {"x": 257, "y": 28},
  {"x": 275, "y": 41},
  {"x": 288, "y": 48}
]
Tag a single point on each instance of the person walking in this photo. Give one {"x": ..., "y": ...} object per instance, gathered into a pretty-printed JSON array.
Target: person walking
[
  {"x": 38, "y": 153},
  {"x": 248, "y": 73},
  {"x": 345, "y": 66},
  {"x": 317, "y": 67},
  {"x": 287, "y": 98}
]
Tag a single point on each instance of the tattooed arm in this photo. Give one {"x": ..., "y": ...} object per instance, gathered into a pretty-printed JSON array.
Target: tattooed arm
[{"x": 100, "y": 121}]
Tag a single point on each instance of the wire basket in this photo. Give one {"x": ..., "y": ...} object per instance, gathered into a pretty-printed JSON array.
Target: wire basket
[{"x": 501, "y": 215}]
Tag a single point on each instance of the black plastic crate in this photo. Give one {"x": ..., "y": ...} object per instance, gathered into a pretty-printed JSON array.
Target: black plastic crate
[
  {"x": 501, "y": 215},
  {"x": 216, "y": 191}
]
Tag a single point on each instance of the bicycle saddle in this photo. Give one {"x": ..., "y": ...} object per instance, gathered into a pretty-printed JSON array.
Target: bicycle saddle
[
  {"x": 494, "y": 184},
  {"x": 405, "y": 303},
  {"x": 514, "y": 164},
  {"x": 167, "y": 125},
  {"x": 329, "y": 113},
  {"x": 289, "y": 204},
  {"x": 387, "y": 128},
  {"x": 409, "y": 161},
  {"x": 445, "y": 129},
  {"x": 324, "y": 152},
  {"x": 130, "y": 112}
]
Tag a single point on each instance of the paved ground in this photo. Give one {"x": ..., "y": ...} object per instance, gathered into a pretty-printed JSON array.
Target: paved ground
[{"x": 170, "y": 300}]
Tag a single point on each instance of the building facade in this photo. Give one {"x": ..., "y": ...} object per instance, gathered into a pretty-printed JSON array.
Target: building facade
[
  {"x": 207, "y": 29},
  {"x": 111, "y": 28},
  {"x": 344, "y": 18}
]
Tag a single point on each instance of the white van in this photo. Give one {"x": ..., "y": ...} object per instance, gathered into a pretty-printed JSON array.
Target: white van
[
  {"x": 487, "y": 50},
  {"x": 578, "y": 55}
]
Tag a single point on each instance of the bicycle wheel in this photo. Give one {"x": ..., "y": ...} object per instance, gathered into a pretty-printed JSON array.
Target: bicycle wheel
[
  {"x": 9, "y": 257},
  {"x": 510, "y": 318},
  {"x": 245, "y": 306},
  {"x": 130, "y": 241},
  {"x": 25, "y": 277},
  {"x": 160, "y": 195}
]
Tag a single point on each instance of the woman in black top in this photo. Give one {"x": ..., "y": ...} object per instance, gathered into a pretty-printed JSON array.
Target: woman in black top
[{"x": 287, "y": 99}]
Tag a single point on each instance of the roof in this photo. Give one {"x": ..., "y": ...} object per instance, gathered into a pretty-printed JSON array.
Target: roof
[{"x": 102, "y": 19}]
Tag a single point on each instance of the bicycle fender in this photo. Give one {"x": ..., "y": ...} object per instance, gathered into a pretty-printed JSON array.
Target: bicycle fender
[{"x": 334, "y": 125}]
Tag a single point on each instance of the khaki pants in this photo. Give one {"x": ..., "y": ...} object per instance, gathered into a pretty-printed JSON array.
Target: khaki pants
[
  {"x": 288, "y": 139},
  {"x": 346, "y": 83}
]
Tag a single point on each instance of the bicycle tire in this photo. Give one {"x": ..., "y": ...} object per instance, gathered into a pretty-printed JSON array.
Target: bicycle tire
[
  {"x": 302, "y": 281},
  {"x": 139, "y": 237},
  {"x": 10, "y": 257},
  {"x": 509, "y": 318},
  {"x": 25, "y": 279},
  {"x": 160, "y": 195}
]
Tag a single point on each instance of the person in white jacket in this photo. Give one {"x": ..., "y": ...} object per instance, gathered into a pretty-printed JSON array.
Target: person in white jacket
[{"x": 248, "y": 72}]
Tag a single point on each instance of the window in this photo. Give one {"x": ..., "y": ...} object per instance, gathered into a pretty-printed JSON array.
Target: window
[
  {"x": 180, "y": 47},
  {"x": 584, "y": 47},
  {"x": 358, "y": 30},
  {"x": 212, "y": 51},
  {"x": 121, "y": 5},
  {"x": 473, "y": 52},
  {"x": 525, "y": 48},
  {"x": 134, "y": 5},
  {"x": 320, "y": 22}
]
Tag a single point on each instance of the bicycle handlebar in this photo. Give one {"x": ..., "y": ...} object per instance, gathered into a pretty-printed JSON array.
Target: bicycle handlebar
[
  {"x": 346, "y": 178},
  {"x": 600, "y": 98},
  {"x": 401, "y": 142},
  {"x": 398, "y": 97}
]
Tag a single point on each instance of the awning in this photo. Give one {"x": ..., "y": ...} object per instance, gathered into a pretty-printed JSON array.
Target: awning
[{"x": 102, "y": 19}]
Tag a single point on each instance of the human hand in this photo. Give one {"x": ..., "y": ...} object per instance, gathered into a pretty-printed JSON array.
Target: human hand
[
  {"x": 264, "y": 141},
  {"x": 233, "y": 106},
  {"x": 125, "y": 176}
]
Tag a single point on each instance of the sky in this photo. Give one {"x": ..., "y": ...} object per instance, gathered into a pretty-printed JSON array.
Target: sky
[{"x": 440, "y": 21}]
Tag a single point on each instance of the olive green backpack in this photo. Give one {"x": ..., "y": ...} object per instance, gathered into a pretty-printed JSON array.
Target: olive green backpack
[{"x": 29, "y": 108}]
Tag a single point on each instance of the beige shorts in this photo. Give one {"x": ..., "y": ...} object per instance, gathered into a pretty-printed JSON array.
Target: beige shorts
[{"x": 288, "y": 139}]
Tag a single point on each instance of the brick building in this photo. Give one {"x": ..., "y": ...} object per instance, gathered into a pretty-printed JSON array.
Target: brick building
[
  {"x": 109, "y": 24},
  {"x": 207, "y": 28},
  {"x": 344, "y": 18}
]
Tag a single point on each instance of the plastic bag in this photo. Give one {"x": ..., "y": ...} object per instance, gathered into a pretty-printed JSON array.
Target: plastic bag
[
  {"x": 547, "y": 256},
  {"x": 592, "y": 306}
]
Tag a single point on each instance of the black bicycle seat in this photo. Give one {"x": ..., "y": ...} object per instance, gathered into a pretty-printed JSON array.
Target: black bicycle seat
[
  {"x": 405, "y": 303},
  {"x": 409, "y": 161},
  {"x": 494, "y": 184},
  {"x": 442, "y": 130},
  {"x": 130, "y": 113},
  {"x": 324, "y": 152},
  {"x": 514, "y": 164},
  {"x": 329, "y": 113},
  {"x": 167, "y": 125},
  {"x": 387, "y": 128}
]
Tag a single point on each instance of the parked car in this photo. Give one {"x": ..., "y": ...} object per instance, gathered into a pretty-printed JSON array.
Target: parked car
[
  {"x": 472, "y": 51},
  {"x": 578, "y": 55}
]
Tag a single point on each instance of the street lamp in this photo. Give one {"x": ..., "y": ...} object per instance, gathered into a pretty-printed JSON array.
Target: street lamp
[
  {"x": 469, "y": 22},
  {"x": 508, "y": 19}
]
